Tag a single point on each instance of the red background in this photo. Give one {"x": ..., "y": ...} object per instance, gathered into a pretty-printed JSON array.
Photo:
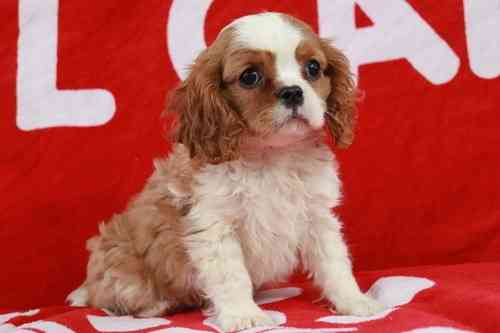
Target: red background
[{"x": 421, "y": 180}]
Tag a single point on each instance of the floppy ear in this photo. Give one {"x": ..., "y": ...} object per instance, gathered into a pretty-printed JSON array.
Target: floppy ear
[
  {"x": 341, "y": 103},
  {"x": 206, "y": 124}
]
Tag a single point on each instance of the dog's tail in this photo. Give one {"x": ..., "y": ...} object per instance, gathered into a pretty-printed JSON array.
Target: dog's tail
[{"x": 78, "y": 297}]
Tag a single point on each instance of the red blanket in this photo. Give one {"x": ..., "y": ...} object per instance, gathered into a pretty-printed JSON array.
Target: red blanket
[
  {"x": 83, "y": 84},
  {"x": 447, "y": 299}
]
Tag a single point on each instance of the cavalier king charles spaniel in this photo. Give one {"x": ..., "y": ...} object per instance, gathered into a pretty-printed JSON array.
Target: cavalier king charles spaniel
[{"x": 247, "y": 192}]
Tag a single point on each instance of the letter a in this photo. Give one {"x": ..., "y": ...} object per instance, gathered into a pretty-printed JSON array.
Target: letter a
[{"x": 398, "y": 33}]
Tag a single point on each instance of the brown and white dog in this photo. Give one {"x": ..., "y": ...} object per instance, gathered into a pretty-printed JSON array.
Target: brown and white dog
[{"x": 246, "y": 193}]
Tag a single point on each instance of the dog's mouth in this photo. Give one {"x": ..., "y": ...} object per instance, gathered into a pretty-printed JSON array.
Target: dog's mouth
[
  {"x": 295, "y": 122},
  {"x": 296, "y": 114},
  {"x": 291, "y": 130}
]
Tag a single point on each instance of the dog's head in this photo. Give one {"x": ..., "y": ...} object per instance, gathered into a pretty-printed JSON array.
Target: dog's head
[{"x": 267, "y": 77}]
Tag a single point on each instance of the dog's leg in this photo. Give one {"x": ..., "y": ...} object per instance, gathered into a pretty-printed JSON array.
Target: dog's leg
[
  {"x": 218, "y": 259},
  {"x": 326, "y": 256}
]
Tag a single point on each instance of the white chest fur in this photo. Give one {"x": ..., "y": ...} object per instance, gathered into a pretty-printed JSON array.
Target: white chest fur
[{"x": 269, "y": 200}]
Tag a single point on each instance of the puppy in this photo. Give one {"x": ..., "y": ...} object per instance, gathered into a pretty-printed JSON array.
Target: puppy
[{"x": 246, "y": 193}]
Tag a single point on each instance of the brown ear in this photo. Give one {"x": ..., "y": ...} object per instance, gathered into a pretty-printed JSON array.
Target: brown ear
[
  {"x": 341, "y": 103},
  {"x": 206, "y": 124}
]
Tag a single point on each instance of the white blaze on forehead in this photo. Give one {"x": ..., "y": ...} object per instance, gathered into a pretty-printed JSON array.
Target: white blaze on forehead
[
  {"x": 268, "y": 31},
  {"x": 272, "y": 32}
]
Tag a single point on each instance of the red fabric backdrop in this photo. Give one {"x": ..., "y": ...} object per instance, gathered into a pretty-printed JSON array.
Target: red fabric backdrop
[{"x": 421, "y": 181}]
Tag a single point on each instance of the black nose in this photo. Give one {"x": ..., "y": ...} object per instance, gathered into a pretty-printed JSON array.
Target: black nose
[{"x": 291, "y": 96}]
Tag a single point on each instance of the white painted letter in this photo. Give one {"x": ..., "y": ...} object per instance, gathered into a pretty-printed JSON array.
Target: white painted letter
[
  {"x": 46, "y": 326},
  {"x": 185, "y": 32},
  {"x": 482, "y": 28},
  {"x": 39, "y": 103},
  {"x": 398, "y": 32}
]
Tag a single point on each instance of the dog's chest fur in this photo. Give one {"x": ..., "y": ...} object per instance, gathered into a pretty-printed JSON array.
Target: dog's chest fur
[{"x": 270, "y": 200}]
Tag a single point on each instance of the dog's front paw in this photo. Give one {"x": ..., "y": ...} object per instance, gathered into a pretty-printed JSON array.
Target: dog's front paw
[
  {"x": 361, "y": 305},
  {"x": 235, "y": 321}
]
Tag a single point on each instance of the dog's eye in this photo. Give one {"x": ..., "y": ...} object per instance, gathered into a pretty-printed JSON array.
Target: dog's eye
[
  {"x": 313, "y": 69},
  {"x": 250, "y": 78}
]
